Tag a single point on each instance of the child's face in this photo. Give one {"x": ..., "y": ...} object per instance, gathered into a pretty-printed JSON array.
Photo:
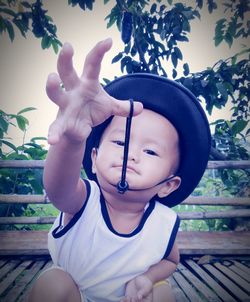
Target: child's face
[{"x": 153, "y": 152}]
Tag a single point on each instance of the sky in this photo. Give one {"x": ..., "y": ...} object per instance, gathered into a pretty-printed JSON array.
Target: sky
[{"x": 24, "y": 66}]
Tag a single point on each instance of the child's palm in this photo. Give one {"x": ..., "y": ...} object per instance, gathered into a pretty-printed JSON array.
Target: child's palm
[{"x": 82, "y": 102}]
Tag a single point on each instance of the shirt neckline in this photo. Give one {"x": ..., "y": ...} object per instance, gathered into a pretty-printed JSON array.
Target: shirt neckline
[{"x": 108, "y": 223}]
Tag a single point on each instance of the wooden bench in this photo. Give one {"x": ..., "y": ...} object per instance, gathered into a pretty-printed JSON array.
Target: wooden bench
[{"x": 215, "y": 265}]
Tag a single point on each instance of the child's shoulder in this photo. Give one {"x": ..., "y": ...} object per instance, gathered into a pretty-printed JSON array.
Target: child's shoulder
[{"x": 163, "y": 210}]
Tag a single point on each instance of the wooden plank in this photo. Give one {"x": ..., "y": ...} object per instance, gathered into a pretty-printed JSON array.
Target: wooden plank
[
  {"x": 178, "y": 293},
  {"x": 220, "y": 164},
  {"x": 220, "y": 243},
  {"x": 200, "y": 286},
  {"x": 3, "y": 262},
  {"x": 10, "y": 265},
  {"x": 233, "y": 276},
  {"x": 232, "y": 164},
  {"x": 243, "y": 213},
  {"x": 12, "y": 276},
  {"x": 238, "y": 271},
  {"x": 35, "y": 164},
  {"x": 215, "y": 214},
  {"x": 30, "y": 199},
  {"x": 190, "y": 243},
  {"x": 27, "y": 220},
  {"x": 216, "y": 201},
  {"x": 186, "y": 287},
  {"x": 191, "y": 200},
  {"x": 23, "y": 243},
  {"x": 18, "y": 288},
  {"x": 242, "y": 267},
  {"x": 227, "y": 283},
  {"x": 220, "y": 291}
]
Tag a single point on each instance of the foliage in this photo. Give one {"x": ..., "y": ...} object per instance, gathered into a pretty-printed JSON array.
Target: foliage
[
  {"x": 213, "y": 185},
  {"x": 19, "y": 181},
  {"x": 152, "y": 36},
  {"x": 28, "y": 17}
]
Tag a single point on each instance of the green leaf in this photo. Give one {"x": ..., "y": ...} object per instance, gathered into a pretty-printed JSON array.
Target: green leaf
[
  {"x": 55, "y": 46},
  {"x": 186, "y": 69},
  {"x": 21, "y": 122},
  {"x": 36, "y": 138},
  {"x": 34, "y": 145},
  {"x": 186, "y": 26},
  {"x": 174, "y": 73},
  {"x": 117, "y": 57},
  {"x": 199, "y": 3},
  {"x": 170, "y": 2},
  {"x": 112, "y": 20},
  {"x": 238, "y": 126},
  {"x": 8, "y": 12},
  {"x": 46, "y": 42},
  {"x": 174, "y": 59},
  {"x": 10, "y": 30},
  {"x": 178, "y": 53},
  {"x": 25, "y": 4},
  {"x": 9, "y": 144},
  {"x": 153, "y": 8},
  {"x": 21, "y": 26},
  {"x": 229, "y": 39},
  {"x": 2, "y": 25},
  {"x": 26, "y": 110},
  {"x": 106, "y": 1},
  {"x": 127, "y": 48},
  {"x": 3, "y": 124},
  {"x": 218, "y": 40},
  {"x": 222, "y": 89},
  {"x": 89, "y": 4}
]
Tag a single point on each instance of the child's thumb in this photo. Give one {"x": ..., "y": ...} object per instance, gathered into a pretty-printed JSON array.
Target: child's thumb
[
  {"x": 122, "y": 108},
  {"x": 55, "y": 133}
]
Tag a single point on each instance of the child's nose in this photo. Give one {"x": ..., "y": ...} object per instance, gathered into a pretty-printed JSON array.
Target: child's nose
[{"x": 133, "y": 154}]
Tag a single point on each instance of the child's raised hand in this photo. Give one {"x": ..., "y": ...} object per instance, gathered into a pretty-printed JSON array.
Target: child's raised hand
[{"x": 83, "y": 103}]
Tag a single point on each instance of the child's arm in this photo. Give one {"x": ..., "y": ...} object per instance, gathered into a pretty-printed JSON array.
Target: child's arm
[
  {"x": 164, "y": 268},
  {"x": 142, "y": 286},
  {"x": 83, "y": 104}
]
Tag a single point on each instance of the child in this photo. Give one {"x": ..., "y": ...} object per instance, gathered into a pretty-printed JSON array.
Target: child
[{"x": 108, "y": 246}]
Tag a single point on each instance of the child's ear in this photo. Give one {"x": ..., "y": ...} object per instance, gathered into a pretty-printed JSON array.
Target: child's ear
[
  {"x": 169, "y": 187},
  {"x": 93, "y": 159}
]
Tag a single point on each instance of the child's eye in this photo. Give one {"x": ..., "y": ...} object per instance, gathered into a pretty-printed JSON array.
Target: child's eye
[
  {"x": 119, "y": 143},
  {"x": 150, "y": 152}
]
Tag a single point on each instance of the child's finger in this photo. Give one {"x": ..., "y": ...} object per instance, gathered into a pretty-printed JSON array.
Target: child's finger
[
  {"x": 65, "y": 67},
  {"x": 54, "y": 90},
  {"x": 122, "y": 108},
  {"x": 92, "y": 65},
  {"x": 55, "y": 133}
]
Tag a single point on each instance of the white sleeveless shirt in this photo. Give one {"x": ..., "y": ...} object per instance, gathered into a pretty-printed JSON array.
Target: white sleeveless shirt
[{"x": 100, "y": 260}]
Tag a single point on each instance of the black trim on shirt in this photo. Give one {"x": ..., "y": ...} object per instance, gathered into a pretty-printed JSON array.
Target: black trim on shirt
[
  {"x": 106, "y": 218},
  {"x": 172, "y": 237},
  {"x": 57, "y": 233}
]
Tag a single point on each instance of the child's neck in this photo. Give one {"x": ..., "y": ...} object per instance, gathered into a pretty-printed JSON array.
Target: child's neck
[
  {"x": 120, "y": 204},
  {"x": 124, "y": 219}
]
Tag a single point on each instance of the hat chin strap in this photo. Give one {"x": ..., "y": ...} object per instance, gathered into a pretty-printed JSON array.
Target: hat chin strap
[{"x": 123, "y": 186}]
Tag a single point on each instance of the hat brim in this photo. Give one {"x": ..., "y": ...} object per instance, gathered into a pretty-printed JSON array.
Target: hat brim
[{"x": 182, "y": 109}]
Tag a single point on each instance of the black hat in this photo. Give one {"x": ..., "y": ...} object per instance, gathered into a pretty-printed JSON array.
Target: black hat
[{"x": 182, "y": 109}]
